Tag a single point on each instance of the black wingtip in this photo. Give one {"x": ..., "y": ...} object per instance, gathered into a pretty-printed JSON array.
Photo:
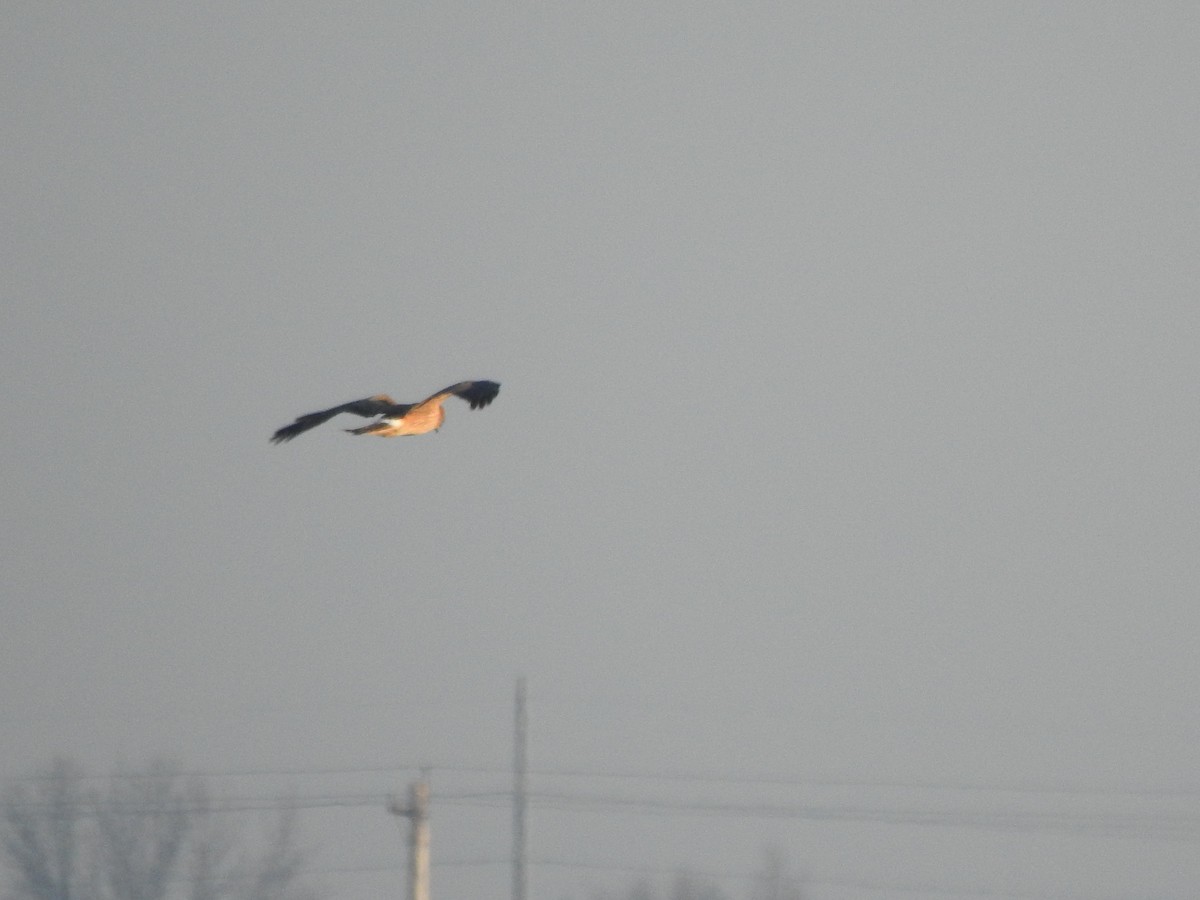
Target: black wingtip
[{"x": 482, "y": 393}]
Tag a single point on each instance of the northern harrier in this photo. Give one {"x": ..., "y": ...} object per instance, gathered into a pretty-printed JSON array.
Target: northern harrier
[{"x": 398, "y": 418}]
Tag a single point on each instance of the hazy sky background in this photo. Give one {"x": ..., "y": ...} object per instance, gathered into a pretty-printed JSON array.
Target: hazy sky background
[{"x": 846, "y": 454}]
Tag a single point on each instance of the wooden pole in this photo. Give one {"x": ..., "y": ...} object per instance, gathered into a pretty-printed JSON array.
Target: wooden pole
[
  {"x": 417, "y": 813},
  {"x": 418, "y": 860},
  {"x": 519, "y": 887}
]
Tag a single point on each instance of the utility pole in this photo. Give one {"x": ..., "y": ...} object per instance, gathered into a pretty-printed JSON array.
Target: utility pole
[
  {"x": 519, "y": 798},
  {"x": 417, "y": 813}
]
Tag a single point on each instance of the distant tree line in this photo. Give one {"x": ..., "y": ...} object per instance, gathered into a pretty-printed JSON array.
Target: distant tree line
[
  {"x": 153, "y": 834},
  {"x": 773, "y": 881}
]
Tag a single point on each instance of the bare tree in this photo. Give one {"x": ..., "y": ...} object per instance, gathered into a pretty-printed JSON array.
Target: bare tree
[
  {"x": 690, "y": 886},
  {"x": 275, "y": 874},
  {"x": 141, "y": 824},
  {"x": 211, "y": 861},
  {"x": 775, "y": 882},
  {"x": 152, "y": 835},
  {"x": 40, "y": 835}
]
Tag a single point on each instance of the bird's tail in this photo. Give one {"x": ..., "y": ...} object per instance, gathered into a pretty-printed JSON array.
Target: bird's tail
[{"x": 368, "y": 429}]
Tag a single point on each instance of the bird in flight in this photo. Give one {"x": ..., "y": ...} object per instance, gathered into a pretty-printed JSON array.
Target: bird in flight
[{"x": 397, "y": 418}]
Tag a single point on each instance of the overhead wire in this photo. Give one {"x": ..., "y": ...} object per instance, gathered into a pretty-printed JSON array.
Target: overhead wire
[{"x": 667, "y": 775}]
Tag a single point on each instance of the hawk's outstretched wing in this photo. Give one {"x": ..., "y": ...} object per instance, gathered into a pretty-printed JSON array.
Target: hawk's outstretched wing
[
  {"x": 478, "y": 393},
  {"x": 368, "y": 406}
]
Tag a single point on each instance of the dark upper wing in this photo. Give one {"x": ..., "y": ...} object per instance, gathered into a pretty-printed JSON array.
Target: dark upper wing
[
  {"x": 368, "y": 406},
  {"x": 477, "y": 393}
]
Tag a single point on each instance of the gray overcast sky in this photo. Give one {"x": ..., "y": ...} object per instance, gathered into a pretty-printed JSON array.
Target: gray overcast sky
[{"x": 848, "y": 432}]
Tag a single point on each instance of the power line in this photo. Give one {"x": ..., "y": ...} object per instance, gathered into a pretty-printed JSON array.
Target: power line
[
  {"x": 1143, "y": 824},
  {"x": 1079, "y": 788},
  {"x": 1149, "y": 824}
]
